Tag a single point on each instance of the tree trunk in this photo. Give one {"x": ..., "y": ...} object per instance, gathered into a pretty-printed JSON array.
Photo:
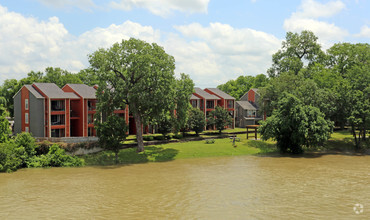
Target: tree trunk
[
  {"x": 354, "y": 135},
  {"x": 116, "y": 157},
  {"x": 139, "y": 131}
]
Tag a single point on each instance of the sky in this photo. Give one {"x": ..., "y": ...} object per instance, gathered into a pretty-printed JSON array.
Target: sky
[{"x": 211, "y": 40}]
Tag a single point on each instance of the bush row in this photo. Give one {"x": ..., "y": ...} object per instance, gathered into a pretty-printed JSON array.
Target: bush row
[
  {"x": 22, "y": 151},
  {"x": 161, "y": 137}
]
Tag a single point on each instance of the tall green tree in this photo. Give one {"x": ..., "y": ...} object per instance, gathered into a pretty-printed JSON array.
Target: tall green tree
[
  {"x": 112, "y": 132},
  {"x": 111, "y": 128},
  {"x": 184, "y": 89},
  {"x": 297, "y": 51},
  {"x": 219, "y": 118},
  {"x": 237, "y": 88},
  {"x": 196, "y": 121},
  {"x": 5, "y": 131},
  {"x": 142, "y": 75},
  {"x": 294, "y": 125},
  {"x": 60, "y": 77}
]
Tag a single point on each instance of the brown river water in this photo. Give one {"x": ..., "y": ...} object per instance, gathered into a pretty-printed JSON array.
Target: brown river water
[{"x": 245, "y": 187}]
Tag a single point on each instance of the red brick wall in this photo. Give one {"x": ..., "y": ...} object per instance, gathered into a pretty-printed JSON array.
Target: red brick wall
[
  {"x": 251, "y": 95},
  {"x": 25, "y": 95}
]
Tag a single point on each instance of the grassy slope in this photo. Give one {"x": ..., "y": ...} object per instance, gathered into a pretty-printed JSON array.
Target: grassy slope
[
  {"x": 182, "y": 150},
  {"x": 196, "y": 149}
]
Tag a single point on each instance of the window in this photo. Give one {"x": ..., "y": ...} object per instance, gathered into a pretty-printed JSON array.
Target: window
[
  {"x": 91, "y": 105},
  {"x": 27, "y": 129},
  {"x": 26, "y": 104},
  {"x": 230, "y": 104},
  {"x": 251, "y": 113},
  {"x": 210, "y": 104},
  {"x": 57, "y": 105},
  {"x": 194, "y": 103},
  {"x": 26, "y": 118},
  {"x": 90, "y": 118},
  {"x": 90, "y": 132},
  {"x": 57, "y": 119},
  {"x": 57, "y": 132}
]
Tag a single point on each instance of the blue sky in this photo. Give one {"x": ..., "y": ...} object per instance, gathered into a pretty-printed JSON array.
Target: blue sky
[{"x": 212, "y": 41}]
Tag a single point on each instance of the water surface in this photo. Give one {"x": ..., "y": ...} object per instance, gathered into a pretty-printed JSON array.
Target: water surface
[{"x": 245, "y": 187}]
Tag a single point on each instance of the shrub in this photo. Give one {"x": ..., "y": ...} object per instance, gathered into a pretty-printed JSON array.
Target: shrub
[
  {"x": 9, "y": 157},
  {"x": 148, "y": 138},
  {"x": 160, "y": 138},
  {"x": 43, "y": 147},
  {"x": 210, "y": 141},
  {"x": 178, "y": 136},
  {"x": 58, "y": 158},
  {"x": 196, "y": 121}
]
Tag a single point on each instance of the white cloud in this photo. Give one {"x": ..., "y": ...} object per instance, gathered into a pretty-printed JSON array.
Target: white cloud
[
  {"x": 211, "y": 54},
  {"x": 313, "y": 9},
  {"x": 29, "y": 44},
  {"x": 82, "y": 4},
  {"x": 365, "y": 32},
  {"x": 219, "y": 52},
  {"x": 163, "y": 7},
  {"x": 306, "y": 18}
]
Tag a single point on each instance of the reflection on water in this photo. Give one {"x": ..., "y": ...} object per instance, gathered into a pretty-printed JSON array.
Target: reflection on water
[{"x": 213, "y": 188}]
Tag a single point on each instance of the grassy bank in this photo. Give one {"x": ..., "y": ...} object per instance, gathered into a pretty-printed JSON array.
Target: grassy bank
[
  {"x": 182, "y": 150},
  {"x": 340, "y": 141}
]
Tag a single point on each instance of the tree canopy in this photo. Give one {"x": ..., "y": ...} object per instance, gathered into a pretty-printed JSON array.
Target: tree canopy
[
  {"x": 293, "y": 125},
  {"x": 142, "y": 75}
]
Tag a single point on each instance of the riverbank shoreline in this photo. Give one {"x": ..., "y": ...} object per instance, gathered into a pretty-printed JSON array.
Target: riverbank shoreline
[{"x": 339, "y": 144}]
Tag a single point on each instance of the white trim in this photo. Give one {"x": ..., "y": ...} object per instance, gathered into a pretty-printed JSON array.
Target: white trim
[
  {"x": 26, "y": 104},
  {"x": 49, "y": 121}
]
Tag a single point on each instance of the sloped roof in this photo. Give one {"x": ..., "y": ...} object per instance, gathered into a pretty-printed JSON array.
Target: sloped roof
[
  {"x": 83, "y": 90},
  {"x": 255, "y": 90},
  {"x": 53, "y": 91},
  {"x": 246, "y": 105},
  {"x": 34, "y": 91},
  {"x": 194, "y": 97},
  {"x": 205, "y": 94},
  {"x": 221, "y": 93}
]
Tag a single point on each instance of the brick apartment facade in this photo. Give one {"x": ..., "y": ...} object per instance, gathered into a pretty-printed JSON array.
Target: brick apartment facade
[
  {"x": 45, "y": 110},
  {"x": 206, "y": 100}
]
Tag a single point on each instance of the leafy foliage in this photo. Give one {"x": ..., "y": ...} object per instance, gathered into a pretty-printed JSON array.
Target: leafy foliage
[
  {"x": 184, "y": 89},
  {"x": 21, "y": 152},
  {"x": 220, "y": 118},
  {"x": 165, "y": 125},
  {"x": 5, "y": 131},
  {"x": 294, "y": 125},
  {"x": 297, "y": 50},
  {"x": 112, "y": 133},
  {"x": 197, "y": 120},
  {"x": 142, "y": 76},
  {"x": 237, "y": 88}
]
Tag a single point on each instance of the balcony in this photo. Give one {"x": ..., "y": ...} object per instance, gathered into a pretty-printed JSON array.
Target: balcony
[
  {"x": 57, "y": 120},
  {"x": 57, "y": 105},
  {"x": 91, "y": 105}
]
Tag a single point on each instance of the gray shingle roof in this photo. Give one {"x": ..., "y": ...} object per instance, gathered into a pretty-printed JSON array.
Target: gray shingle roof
[
  {"x": 34, "y": 92},
  {"x": 246, "y": 105},
  {"x": 84, "y": 91},
  {"x": 54, "y": 92},
  {"x": 221, "y": 93},
  {"x": 194, "y": 97},
  {"x": 205, "y": 94}
]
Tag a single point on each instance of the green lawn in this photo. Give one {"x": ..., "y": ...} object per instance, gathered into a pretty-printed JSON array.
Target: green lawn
[
  {"x": 182, "y": 150},
  {"x": 340, "y": 140}
]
